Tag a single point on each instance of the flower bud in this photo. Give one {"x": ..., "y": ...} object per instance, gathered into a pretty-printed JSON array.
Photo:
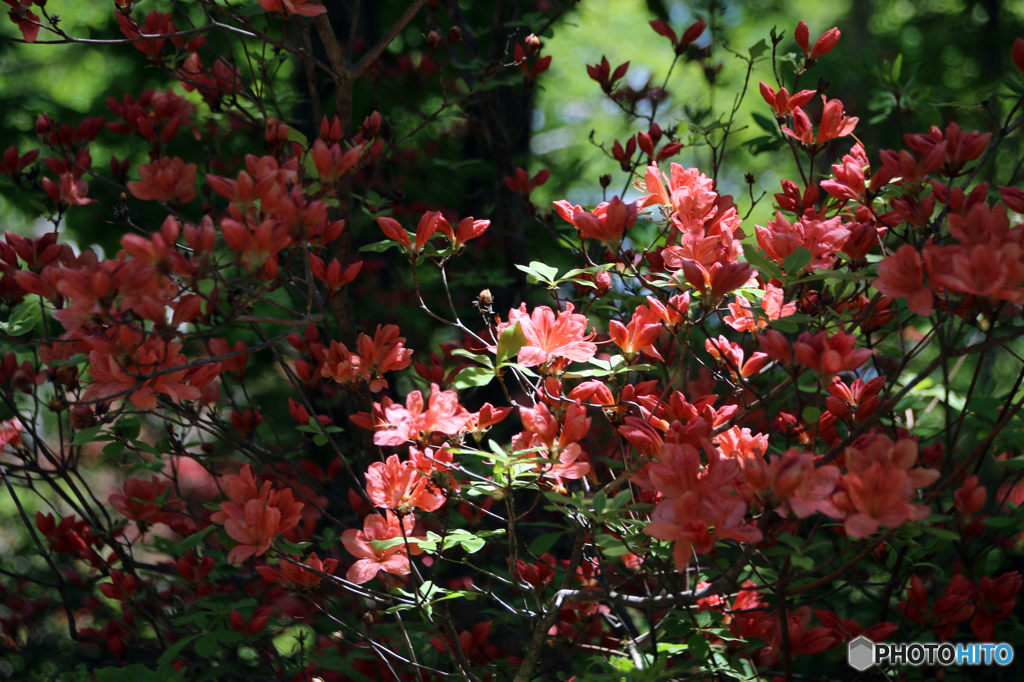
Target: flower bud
[
  {"x": 802, "y": 35},
  {"x": 23, "y": 381},
  {"x": 605, "y": 180},
  {"x": 454, "y": 35},
  {"x": 44, "y": 125},
  {"x": 825, "y": 44},
  {"x": 1017, "y": 53},
  {"x": 82, "y": 417},
  {"x": 532, "y": 44},
  {"x": 433, "y": 40}
]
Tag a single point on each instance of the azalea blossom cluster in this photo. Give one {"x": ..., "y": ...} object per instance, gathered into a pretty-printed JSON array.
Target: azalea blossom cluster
[{"x": 705, "y": 423}]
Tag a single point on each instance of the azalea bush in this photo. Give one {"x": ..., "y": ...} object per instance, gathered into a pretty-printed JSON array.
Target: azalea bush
[{"x": 667, "y": 442}]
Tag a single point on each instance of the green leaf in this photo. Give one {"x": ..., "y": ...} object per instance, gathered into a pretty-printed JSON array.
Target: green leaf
[
  {"x": 309, "y": 164},
  {"x": 897, "y": 66},
  {"x": 471, "y": 542},
  {"x": 511, "y": 340},
  {"x": 478, "y": 357},
  {"x": 474, "y": 376},
  {"x": 804, "y": 562},
  {"x": 1014, "y": 84},
  {"x": 384, "y": 545},
  {"x": 207, "y": 645},
  {"x": 765, "y": 123},
  {"x": 1016, "y": 462},
  {"x": 764, "y": 143},
  {"x": 455, "y": 164},
  {"x": 127, "y": 427},
  {"x": 825, "y": 274},
  {"x": 172, "y": 651},
  {"x": 229, "y": 636},
  {"x": 797, "y": 261},
  {"x": 811, "y": 414},
  {"x": 88, "y": 436},
  {"x": 525, "y": 370},
  {"x": 622, "y": 498},
  {"x": 761, "y": 263},
  {"x": 146, "y": 447},
  {"x": 295, "y": 639},
  {"x": 611, "y": 545},
  {"x": 201, "y": 618},
  {"x": 428, "y": 590},
  {"x": 113, "y": 449},
  {"x": 941, "y": 532},
  {"x": 541, "y": 271},
  {"x": 472, "y": 545},
  {"x": 791, "y": 540},
  {"x": 784, "y": 325},
  {"x": 379, "y": 247},
  {"x": 698, "y": 646},
  {"x": 1001, "y": 522},
  {"x": 23, "y": 318},
  {"x": 295, "y": 136},
  {"x": 544, "y": 543},
  {"x": 130, "y": 673},
  {"x": 193, "y": 540},
  {"x": 297, "y": 548},
  {"x": 758, "y": 49},
  {"x": 580, "y": 271}
]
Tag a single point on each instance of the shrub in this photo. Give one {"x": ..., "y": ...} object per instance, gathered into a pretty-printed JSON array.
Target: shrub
[{"x": 697, "y": 449}]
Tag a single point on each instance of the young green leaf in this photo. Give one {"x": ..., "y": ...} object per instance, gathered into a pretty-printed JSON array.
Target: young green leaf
[{"x": 510, "y": 341}]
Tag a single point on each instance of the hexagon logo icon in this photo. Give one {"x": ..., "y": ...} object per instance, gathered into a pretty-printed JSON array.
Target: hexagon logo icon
[{"x": 861, "y": 653}]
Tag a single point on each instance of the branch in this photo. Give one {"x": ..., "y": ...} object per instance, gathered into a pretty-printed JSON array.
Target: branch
[
  {"x": 339, "y": 65},
  {"x": 377, "y": 50},
  {"x": 540, "y": 631},
  {"x": 68, "y": 40}
]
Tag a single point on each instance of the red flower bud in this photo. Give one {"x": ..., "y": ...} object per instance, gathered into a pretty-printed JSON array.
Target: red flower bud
[
  {"x": 532, "y": 44},
  {"x": 395, "y": 231},
  {"x": 646, "y": 144},
  {"x": 668, "y": 151},
  {"x": 801, "y": 34},
  {"x": 825, "y": 43},
  {"x": 44, "y": 125}
]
